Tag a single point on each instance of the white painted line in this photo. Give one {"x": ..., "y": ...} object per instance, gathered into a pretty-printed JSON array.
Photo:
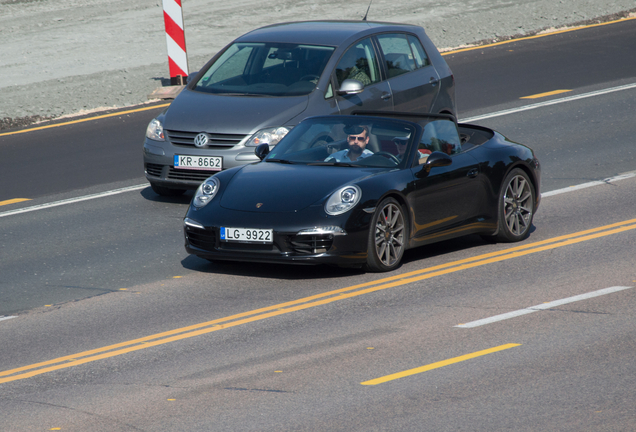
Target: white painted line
[
  {"x": 590, "y": 184},
  {"x": 2, "y": 318},
  {"x": 73, "y": 200},
  {"x": 548, "y": 103},
  {"x": 543, "y": 306}
]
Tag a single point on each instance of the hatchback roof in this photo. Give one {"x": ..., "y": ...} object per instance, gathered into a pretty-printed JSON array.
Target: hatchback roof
[{"x": 332, "y": 33}]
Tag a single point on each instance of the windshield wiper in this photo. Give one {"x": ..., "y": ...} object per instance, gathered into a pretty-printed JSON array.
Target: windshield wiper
[
  {"x": 283, "y": 161},
  {"x": 334, "y": 163}
]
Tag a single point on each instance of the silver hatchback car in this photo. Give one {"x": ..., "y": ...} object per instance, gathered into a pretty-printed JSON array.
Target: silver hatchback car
[{"x": 265, "y": 82}]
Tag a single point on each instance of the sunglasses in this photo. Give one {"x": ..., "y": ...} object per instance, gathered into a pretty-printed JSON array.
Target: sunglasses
[{"x": 354, "y": 138}]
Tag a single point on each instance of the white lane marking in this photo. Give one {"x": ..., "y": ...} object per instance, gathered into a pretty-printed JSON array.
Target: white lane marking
[
  {"x": 73, "y": 200},
  {"x": 590, "y": 184},
  {"x": 543, "y": 306},
  {"x": 2, "y": 318},
  {"x": 467, "y": 120},
  {"x": 547, "y": 103}
]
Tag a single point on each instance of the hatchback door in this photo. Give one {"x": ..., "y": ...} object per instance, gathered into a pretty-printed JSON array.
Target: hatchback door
[
  {"x": 360, "y": 63},
  {"x": 413, "y": 80}
]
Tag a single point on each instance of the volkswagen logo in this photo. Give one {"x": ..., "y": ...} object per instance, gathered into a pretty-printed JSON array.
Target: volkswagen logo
[{"x": 201, "y": 140}]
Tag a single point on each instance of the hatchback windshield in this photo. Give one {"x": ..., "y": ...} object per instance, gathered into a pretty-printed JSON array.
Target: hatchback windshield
[
  {"x": 348, "y": 142},
  {"x": 266, "y": 69}
]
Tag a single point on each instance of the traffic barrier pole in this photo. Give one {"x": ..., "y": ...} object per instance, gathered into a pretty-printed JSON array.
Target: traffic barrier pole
[{"x": 175, "y": 36}]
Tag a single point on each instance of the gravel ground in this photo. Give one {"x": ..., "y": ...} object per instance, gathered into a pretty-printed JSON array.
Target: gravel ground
[{"x": 70, "y": 57}]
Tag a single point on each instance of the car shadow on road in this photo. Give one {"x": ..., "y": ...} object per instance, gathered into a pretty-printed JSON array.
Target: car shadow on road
[
  {"x": 421, "y": 257},
  {"x": 268, "y": 270},
  {"x": 150, "y": 195}
]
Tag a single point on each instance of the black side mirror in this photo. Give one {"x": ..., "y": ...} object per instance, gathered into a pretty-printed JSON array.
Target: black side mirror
[
  {"x": 436, "y": 159},
  {"x": 261, "y": 151}
]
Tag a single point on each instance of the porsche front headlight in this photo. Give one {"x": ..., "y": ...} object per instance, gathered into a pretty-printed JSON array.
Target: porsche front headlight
[
  {"x": 206, "y": 191},
  {"x": 343, "y": 200}
]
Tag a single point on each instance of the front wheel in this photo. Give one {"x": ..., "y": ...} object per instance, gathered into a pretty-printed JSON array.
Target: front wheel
[
  {"x": 516, "y": 207},
  {"x": 387, "y": 237}
]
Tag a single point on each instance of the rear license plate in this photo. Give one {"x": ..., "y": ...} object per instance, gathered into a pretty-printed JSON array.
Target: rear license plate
[
  {"x": 205, "y": 163},
  {"x": 247, "y": 235}
]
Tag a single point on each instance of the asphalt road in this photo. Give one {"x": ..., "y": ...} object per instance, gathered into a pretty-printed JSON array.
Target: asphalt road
[{"x": 176, "y": 343}]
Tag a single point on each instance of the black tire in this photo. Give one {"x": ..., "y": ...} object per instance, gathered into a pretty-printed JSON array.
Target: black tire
[
  {"x": 164, "y": 191},
  {"x": 516, "y": 207},
  {"x": 387, "y": 237}
]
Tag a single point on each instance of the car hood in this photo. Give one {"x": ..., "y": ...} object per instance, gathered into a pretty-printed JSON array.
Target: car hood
[
  {"x": 204, "y": 112},
  {"x": 280, "y": 188}
]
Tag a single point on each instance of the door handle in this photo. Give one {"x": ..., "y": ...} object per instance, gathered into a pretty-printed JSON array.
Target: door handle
[
  {"x": 385, "y": 96},
  {"x": 433, "y": 81},
  {"x": 473, "y": 173}
]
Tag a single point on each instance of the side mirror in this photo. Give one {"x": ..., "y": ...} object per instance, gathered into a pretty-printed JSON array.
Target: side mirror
[
  {"x": 436, "y": 159},
  {"x": 261, "y": 151},
  {"x": 350, "y": 87}
]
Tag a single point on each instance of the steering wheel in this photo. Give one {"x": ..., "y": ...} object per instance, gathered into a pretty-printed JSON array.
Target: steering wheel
[
  {"x": 309, "y": 77},
  {"x": 393, "y": 157}
]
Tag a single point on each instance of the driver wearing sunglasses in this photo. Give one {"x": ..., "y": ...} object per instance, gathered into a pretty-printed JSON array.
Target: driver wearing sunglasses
[{"x": 357, "y": 139}]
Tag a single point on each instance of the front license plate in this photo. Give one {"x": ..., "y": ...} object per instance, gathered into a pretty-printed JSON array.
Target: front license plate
[
  {"x": 205, "y": 163},
  {"x": 247, "y": 235}
]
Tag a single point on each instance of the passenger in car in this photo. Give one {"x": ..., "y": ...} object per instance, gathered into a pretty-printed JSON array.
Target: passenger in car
[{"x": 401, "y": 144}]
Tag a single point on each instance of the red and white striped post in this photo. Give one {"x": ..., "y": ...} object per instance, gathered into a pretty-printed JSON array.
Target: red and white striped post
[{"x": 175, "y": 36}]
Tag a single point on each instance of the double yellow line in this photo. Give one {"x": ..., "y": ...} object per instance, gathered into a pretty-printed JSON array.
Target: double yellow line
[{"x": 309, "y": 302}]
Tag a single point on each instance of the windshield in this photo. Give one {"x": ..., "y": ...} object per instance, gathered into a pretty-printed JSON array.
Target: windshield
[
  {"x": 347, "y": 141},
  {"x": 266, "y": 69}
]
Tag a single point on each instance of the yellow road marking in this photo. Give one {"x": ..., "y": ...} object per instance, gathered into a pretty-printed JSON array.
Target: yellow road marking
[
  {"x": 115, "y": 114},
  {"x": 444, "y": 54},
  {"x": 14, "y": 200},
  {"x": 438, "y": 364},
  {"x": 566, "y": 30},
  {"x": 311, "y": 301},
  {"x": 540, "y": 95}
]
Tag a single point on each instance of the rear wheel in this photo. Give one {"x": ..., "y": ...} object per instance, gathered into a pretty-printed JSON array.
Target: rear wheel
[
  {"x": 516, "y": 207},
  {"x": 387, "y": 237},
  {"x": 164, "y": 191}
]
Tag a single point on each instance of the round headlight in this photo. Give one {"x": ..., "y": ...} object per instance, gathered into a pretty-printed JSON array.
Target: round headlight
[
  {"x": 343, "y": 200},
  {"x": 206, "y": 191}
]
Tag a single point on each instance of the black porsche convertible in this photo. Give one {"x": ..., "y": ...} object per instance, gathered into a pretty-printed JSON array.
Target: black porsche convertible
[{"x": 358, "y": 190}]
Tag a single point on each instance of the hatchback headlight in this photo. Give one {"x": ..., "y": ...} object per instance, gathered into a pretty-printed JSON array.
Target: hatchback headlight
[
  {"x": 154, "y": 131},
  {"x": 343, "y": 200},
  {"x": 206, "y": 191},
  {"x": 269, "y": 136}
]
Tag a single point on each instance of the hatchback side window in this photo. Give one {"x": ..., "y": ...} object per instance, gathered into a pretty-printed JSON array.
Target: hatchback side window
[
  {"x": 421, "y": 59},
  {"x": 397, "y": 54},
  {"x": 359, "y": 62}
]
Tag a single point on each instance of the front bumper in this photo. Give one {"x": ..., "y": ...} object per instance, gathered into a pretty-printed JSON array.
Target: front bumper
[
  {"x": 159, "y": 163},
  {"x": 289, "y": 245}
]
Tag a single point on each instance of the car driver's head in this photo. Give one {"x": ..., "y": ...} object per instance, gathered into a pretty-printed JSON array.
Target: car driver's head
[{"x": 358, "y": 138}]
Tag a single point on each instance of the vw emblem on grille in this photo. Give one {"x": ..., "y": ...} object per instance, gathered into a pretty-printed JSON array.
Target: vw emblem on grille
[
  {"x": 259, "y": 205},
  {"x": 201, "y": 140}
]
